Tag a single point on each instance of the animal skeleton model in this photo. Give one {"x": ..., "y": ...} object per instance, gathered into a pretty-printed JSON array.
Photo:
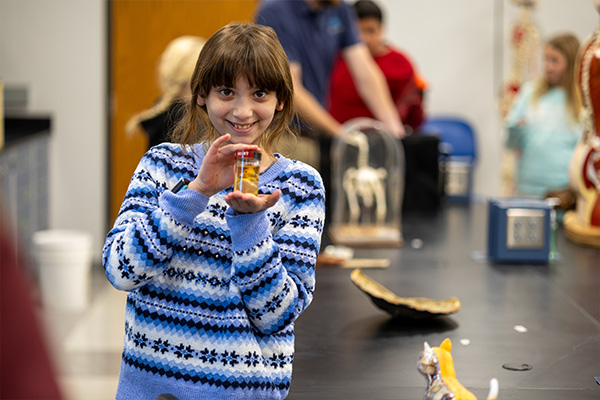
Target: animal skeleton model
[
  {"x": 525, "y": 43},
  {"x": 437, "y": 366},
  {"x": 364, "y": 182}
]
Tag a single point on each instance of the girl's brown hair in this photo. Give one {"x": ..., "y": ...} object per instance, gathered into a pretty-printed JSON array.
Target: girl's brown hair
[
  {"x": 248, "y": 50},
  {"x": 568, "y": 45}
]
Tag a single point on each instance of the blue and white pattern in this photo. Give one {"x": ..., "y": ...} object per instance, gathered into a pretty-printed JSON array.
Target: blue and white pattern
[{"x": 213, "y": 295}]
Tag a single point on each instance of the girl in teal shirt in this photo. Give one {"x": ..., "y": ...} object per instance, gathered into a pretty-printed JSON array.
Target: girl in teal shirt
[{"x": 543, "y": 124}]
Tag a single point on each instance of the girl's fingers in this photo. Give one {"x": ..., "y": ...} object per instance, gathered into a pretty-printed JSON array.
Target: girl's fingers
[
  {"x": 230, "y": 149},
  {"x": 222, "y": 147},
  {"x": 249, "y": 203},
  {"x": 238, "y": 197},
  {"x": 272, "y": 199},
  {"x": 219, "y": 141}
]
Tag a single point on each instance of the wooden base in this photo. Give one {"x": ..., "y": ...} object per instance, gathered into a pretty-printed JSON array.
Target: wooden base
[
  {"x": 579, "y": 233},
  {"x": 366, "y": 236}
]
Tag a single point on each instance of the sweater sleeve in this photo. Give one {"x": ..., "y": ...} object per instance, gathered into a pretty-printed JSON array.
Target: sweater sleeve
[
  {"x": 275, "y": 273},
  {"x": 151, "y": 222}
]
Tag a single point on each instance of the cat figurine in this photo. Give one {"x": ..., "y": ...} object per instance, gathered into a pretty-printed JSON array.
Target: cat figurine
[{"x": 436, "y": 364}]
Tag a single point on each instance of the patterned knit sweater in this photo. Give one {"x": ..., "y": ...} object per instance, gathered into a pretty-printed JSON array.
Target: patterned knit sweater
[{"x": 213, "y": 295}]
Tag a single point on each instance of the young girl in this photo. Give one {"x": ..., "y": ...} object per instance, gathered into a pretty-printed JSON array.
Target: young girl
[
  {"x": 216, "y": 277},
  {"x": 543, "y": 124}
]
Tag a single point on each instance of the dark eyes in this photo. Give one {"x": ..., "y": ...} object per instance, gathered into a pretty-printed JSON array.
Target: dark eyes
[
  {"x": 260, "y": 94},
  {"x": 228, "y": 92}
]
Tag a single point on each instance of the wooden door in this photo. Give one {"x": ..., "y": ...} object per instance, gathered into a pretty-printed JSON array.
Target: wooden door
[{"x": 139, "y": 32}]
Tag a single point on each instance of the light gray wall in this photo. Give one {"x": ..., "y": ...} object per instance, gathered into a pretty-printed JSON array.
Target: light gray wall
[{"x": 57, "y": 48}]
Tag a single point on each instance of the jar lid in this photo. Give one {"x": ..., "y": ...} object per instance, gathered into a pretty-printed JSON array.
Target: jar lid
[{"x": 248, "y": 154}]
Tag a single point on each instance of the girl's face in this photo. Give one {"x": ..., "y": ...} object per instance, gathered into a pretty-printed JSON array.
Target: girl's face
[
  {"x": 371, "y": 33},
  {"x": 555, "y": 66},
  {"x": 243, "y": 111}
]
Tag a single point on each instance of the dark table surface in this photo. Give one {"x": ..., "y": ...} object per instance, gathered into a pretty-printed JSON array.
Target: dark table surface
[{"x": 347, "y": 348}]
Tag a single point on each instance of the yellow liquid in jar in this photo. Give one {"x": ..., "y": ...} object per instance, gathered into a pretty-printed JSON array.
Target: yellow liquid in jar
[{"x": 246, "y": 178}]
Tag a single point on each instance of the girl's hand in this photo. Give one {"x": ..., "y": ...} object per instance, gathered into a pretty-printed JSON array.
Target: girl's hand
[
  {"x": 217, "y": 169},
  {"x": 245, "y": 203}
]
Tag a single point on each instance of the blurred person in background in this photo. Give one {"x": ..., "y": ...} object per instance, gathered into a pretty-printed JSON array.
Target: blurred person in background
[
  {"x": 175, "y": 70},
  {"x": 27, "y": 368},
  {"x": 543, "y": 125},
  {"x": 406, "y": 86}
]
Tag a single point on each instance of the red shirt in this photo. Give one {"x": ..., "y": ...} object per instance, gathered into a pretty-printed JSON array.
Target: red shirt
[{"x": 345, "y": 103}]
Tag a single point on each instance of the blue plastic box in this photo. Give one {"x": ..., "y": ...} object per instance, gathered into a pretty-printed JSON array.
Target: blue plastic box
[{"x": 518, "y": 230}]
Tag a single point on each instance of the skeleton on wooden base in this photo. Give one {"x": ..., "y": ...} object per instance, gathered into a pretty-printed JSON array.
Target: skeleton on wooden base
[{"x": 364, "y": 182}]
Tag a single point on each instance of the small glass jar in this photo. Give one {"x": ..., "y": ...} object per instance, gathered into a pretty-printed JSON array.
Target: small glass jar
[{"x": 247, "y": 171}]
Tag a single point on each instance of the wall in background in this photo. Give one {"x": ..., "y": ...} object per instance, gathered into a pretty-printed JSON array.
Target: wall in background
[{"x": 58, "y": 49}]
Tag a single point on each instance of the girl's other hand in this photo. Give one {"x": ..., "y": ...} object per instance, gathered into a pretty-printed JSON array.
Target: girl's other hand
[
  {"x": 246, "y": 203},
  {"x": 218, "y": 167}
]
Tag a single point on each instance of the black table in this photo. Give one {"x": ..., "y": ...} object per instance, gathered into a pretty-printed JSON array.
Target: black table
[{"x": 346, "y": 348}]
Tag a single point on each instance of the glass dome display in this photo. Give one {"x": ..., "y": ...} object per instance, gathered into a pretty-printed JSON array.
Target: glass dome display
[{"x": 368, "y": 186}]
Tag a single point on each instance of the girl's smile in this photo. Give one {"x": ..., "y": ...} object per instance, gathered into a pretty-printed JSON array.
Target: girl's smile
[{"x": 241, "y": 127}]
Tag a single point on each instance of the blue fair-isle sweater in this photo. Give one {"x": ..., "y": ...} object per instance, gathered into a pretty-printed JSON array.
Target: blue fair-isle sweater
[{"x": 213, "y": 295}]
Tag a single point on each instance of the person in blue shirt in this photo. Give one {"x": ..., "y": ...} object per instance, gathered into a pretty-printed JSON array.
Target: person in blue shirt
[
  {"x": 543, "y": 124},
  {"x": 313, "y": 33}
]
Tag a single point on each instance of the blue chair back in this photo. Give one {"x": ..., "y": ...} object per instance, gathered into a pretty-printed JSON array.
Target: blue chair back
[{"x": 457, "y": 137}]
